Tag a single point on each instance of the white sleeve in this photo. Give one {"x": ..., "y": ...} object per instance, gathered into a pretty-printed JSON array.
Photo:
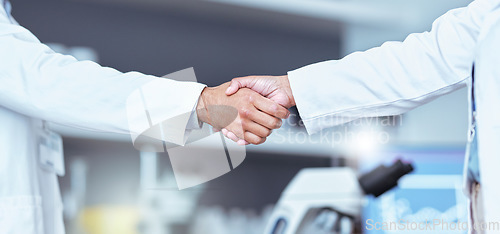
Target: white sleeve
[
  {"x": 194, "y": 122},
  {"x": 37, "y": 82},
  {"x": 393, "y": 78},
  {"x": 487, "y": 97}
]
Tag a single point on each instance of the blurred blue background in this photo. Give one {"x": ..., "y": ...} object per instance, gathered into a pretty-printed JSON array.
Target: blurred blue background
[{"x": 432, "y": 192}]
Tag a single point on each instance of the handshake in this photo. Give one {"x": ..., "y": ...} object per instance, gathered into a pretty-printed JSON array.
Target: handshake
[{"x": 247, "y": 109}]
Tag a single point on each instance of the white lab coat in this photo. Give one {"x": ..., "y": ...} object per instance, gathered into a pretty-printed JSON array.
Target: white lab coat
[
  {"x": 37, "y": 84},
  {"x": 399, "y": 76}
]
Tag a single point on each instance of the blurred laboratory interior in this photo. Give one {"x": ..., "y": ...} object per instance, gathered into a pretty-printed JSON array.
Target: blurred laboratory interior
[{"x": 110, "y": 187}]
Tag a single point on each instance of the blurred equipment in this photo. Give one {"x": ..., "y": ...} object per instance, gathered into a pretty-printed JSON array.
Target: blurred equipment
[
  {"x": 329, "y": 200},
  {"x": 74, "y": 197},
  {"x": 163, "y": 208},
  {"x": 107, "y": 219}
]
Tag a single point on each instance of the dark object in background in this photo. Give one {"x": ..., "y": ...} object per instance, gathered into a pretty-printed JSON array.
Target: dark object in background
[
  {"x": 295, "y": 119},
  {"x": 384, "y": 178}
]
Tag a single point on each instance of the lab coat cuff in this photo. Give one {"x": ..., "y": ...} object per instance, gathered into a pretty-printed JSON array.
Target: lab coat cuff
[
  {"x": 156, "y": 121},
  {"x": 194, "y": 122},
  {"x": 302, "y": 85}
]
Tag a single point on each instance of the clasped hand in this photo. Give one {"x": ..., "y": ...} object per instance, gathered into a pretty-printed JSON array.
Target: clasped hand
[{"x": 245, "y": 116}]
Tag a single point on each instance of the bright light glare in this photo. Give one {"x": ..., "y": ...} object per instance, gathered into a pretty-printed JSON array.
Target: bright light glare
[{"x": 364, "y": 143}]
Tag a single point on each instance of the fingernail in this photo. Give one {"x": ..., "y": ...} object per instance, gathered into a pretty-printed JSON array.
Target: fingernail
[
  {"x": 229, "y": 89},
  {"x": 241, "y": 142}
]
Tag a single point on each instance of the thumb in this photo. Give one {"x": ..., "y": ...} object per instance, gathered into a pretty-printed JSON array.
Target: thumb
[{"x": 235, "y": 85}]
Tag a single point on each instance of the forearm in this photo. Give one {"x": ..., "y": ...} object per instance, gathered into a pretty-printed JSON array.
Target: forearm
[
  {"x": 393, "y": 78},
  {"x": 42, "y": 84}
]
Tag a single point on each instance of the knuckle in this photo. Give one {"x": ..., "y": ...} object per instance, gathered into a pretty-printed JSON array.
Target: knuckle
[
  {"x": 236, "y": 81},
  {"x": 245, "y": 124},
  {"x": 244, "y": 112},
  {"x": 275, "y": 109},
  {"x": 238, "y": 123},
  {"x": 250, "y": 98}
]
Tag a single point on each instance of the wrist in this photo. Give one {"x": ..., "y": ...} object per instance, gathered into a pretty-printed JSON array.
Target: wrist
[{"x": 201, "y": 107}]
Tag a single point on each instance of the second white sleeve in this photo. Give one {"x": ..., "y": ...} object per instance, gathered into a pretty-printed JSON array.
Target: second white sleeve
[{"x": 393, "y": 78}]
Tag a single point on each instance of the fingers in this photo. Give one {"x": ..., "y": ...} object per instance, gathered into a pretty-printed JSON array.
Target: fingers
[
  {"x": 247, "y": 126},
  {"x": 262, "y": 118},
  {"x": 264, "y": 104},
  {"x": 242, "y": 142},
  {"x": 238, "y": 83},
  {"x": 257, "y": 114},
  {"x": 233, "y": 137},
  {"x": 230, "y": 135},
  {"x": 270, "y": 107},
  {"x": 234, "y": 86},
  {"x": 254, "y": 139},
  {"x": 254, "y": 133},
  {"x": 256, "y": 129}
]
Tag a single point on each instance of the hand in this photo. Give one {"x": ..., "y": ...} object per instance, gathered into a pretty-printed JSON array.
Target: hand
[
  {"x": 246, "y": 114},
  {"x": 276, "y": 88}
]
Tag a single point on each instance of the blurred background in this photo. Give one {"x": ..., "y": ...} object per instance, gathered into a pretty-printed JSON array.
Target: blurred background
[{"x": 110, "y": 187}]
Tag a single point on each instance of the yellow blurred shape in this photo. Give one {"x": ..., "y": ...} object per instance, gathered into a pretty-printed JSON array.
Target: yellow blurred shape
[{"x": 110, "y": 220}]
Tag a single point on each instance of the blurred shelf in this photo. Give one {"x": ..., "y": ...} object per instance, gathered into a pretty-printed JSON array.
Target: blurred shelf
[
  {"x": 282, "y": 141},
  {"x": 229, "y": 13},
  {"x": 376, "y": 13},
  {"x": 312, "y": 16}
]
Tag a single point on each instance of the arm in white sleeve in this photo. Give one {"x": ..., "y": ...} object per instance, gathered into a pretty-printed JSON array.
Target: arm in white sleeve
[
  {"x": 393, "y": 78},
  {"x": 42, "y": 84}
]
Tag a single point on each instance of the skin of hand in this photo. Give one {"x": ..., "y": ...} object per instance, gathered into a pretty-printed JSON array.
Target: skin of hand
[
  {"x": 276, "y": 88},
  {"x": 247, "y": 115}
]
